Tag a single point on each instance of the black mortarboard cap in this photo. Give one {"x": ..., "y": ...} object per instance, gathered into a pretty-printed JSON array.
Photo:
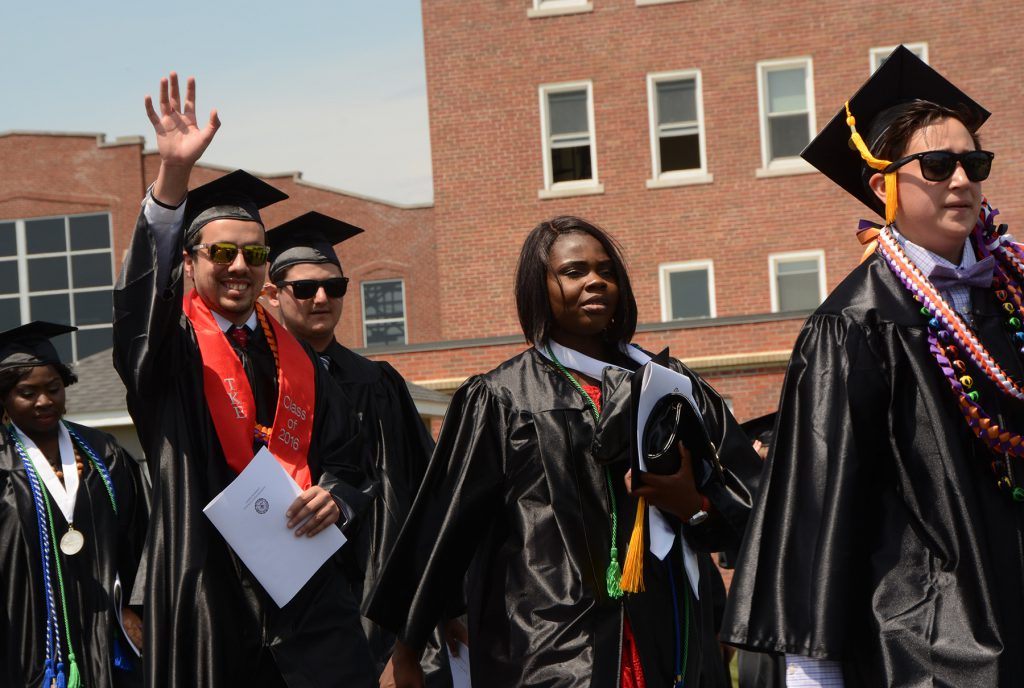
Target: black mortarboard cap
[
  {"x": 29, "y": 345},
  {"x": 902, "y": 78},
  {"x": 237, "y": 195},
  {"x": 755, "y": 428},
  {"x": 308, "y": 238}
]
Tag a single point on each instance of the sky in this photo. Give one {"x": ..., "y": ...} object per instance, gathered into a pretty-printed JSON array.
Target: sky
[{"x": 334, "y": 89}]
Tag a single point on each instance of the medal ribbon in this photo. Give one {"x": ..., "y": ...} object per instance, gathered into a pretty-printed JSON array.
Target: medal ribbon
[{"x": 233, "y": 406}]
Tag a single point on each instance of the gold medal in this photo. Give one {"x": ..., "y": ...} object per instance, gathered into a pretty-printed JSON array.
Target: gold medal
[{"x": 72, "y": 542}]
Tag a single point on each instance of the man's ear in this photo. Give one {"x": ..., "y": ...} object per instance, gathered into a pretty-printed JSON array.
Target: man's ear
[
  {"x": 187, "y": 258},
  {"x": 270, "y": 292},
  {"x": 877, "y": 184}
]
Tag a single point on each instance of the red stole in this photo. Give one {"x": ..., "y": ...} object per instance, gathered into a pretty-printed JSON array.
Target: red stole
[{"x": 231, "y": 402}]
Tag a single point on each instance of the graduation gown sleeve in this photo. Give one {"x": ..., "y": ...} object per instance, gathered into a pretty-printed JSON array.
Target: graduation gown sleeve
[
  {"x": 798, "y": 576},
  {"x": 459, "y": 497}
]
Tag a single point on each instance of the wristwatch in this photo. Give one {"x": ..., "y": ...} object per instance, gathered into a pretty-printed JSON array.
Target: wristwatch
[
  {"x": 698, "y": 518},
  {"x": 702, "y": 514}
]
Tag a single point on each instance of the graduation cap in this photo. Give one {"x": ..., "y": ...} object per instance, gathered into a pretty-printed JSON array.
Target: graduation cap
[
  {"x": 235, "y": 196},
  {"x": 756, "y": 428},
  {"x": 841, "y": 153},
  {"x": 308, "y": 238},
  {"x": 29, "y": 345}
]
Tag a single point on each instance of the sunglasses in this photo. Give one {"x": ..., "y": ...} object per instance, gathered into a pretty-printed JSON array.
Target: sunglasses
[
  {"x": 938, "y": 166},
  {"x": 334, "y": 287},
  {"x": 224, "y": 253}
]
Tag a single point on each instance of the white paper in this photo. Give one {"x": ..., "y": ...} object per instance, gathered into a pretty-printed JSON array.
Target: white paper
[
  {"x": 659, "y": 381},
  {"x": 460, "y": 667},
  {"x": 250, "y": 514}
]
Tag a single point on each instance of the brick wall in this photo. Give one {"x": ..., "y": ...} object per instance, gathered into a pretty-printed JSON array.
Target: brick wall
[{"x": 485, "y": 62}]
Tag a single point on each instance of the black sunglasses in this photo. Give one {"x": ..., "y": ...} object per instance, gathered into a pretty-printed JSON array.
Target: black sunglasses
[
  {"x": 938, "y": 166},
  {"x": 224, "y": 253},
  {"x": 334, "y": 287}
]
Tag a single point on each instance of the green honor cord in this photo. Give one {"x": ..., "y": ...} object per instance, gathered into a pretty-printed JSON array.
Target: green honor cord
[
  {"x": 613, "y": 576},
  {"x": 74, "y": 679}
]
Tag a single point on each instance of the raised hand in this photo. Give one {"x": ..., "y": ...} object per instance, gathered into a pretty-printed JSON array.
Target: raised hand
[{"x": 178, "y": 137}]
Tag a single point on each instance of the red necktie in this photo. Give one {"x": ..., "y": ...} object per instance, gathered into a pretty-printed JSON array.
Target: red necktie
[{"x": 241, "y": 336}]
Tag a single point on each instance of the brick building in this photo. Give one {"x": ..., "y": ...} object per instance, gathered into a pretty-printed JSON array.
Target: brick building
[{"x": 674, "y": 124}]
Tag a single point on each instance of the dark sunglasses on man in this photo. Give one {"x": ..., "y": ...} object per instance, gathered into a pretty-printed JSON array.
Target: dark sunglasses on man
[
  {"x": 938, "y": 165},
  {"x": 224, "y": 253},
  {"x": 334, "y": 287}
]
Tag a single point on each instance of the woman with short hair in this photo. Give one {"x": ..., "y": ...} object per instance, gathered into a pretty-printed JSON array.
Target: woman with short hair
[
  {"x": 72, "y": 524},
  {"x": 515, "y": 494}
]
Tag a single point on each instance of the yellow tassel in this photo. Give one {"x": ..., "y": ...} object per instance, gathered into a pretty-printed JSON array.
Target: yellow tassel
[
  {"x": 890, "y": 198},
  {"x": 633, "y": 571},
  {"x": 875, "y": 164}
]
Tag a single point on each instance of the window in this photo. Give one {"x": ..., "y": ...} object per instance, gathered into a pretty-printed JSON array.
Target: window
[
  {"x": 797, "y": 280},
  {"x": 677, "y": 126},
  {"x": 687, "y": 290},
  {"x": 570, "y": 162},
  {"x": 878, "y": 55},
  {"x": 786, "y": 92},
  {"x": 384, "y": 312},
  {"x": 548, "y": 8},
  {"x": 59, "y": 269}
]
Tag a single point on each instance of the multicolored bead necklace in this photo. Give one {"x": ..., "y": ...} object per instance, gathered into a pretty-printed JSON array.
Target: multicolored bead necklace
[{"x": 948, "y": 335}]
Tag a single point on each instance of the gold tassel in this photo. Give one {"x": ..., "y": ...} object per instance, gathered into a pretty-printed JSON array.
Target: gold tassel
[
  {"x": 875, "y": 164},
  {"x": 633, "y": 571}
]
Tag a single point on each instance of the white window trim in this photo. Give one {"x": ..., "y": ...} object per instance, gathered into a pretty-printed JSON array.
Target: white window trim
[
  {"x": 665, "y": 271},
  {"x": 641, "y": 3},
  {"x": 556, "y": 8},
  {"x": 775, "y": 258},
  {"x": 405, "y": 310},
  {"x": 875, "y": 55},
  {"x": 698, "y": 175},
  {"x": 794, "y": 164},
  {"x": 22, "y": 260},
  {"x": 579, "y": 187}
]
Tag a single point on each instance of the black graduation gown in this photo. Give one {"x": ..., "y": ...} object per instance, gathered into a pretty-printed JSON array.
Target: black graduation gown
[
  {"x": 879, "y": 537},
  {"x": 396, "y": 449},
  {"x": 208, "y": 622},
  {"x": 513, "y": 486},
  {"x": 113, "y": 544}
]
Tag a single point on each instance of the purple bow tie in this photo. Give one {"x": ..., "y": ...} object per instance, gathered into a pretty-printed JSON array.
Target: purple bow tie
[{"x": 978, "y": 275}]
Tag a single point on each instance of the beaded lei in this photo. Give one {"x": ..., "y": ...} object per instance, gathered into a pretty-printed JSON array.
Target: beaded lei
[{"x": 950, "y": 340}]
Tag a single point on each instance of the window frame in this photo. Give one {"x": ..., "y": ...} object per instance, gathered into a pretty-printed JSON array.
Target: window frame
[
  {"x": 792, "y": 256},
  {"x": 22, "y": 259},
  {"x": 575, "y": 187},
  {"x": 696, "y": 175},
  {"x": 554, "y": 8},
  {"x": 875, "y": 55},
  {"x": 794, "y": 163},
  {"x": 665, "y": 271},
  {"x": 365, "y": 321}
]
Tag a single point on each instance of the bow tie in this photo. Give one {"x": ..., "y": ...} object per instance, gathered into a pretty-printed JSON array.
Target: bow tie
[{"x": 978, "y": 275}]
